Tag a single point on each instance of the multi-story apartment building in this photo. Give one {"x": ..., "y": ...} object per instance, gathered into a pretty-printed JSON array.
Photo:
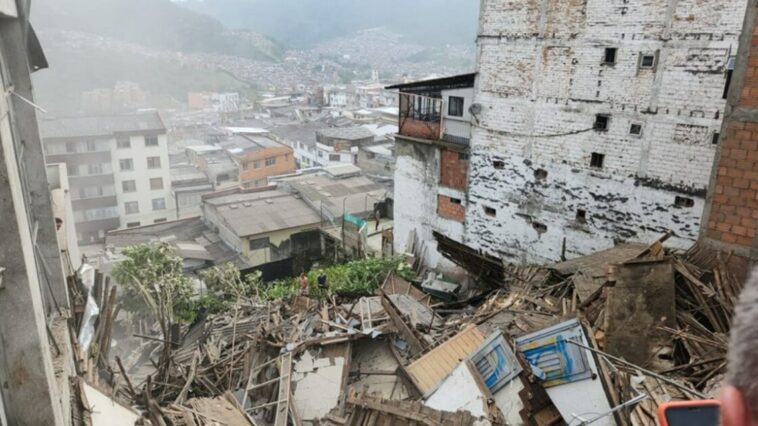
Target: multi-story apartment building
[
  {"x": 432, "y": 161},
  {"x": 118, "y": 170},
  {"x": 595, "y": 122}
]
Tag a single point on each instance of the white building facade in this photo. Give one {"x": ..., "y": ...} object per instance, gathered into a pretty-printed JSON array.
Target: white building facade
[
  {"x": 595, "y": 122},
  {"x": 143, "y": 180},
  {"x": 118, "y": 170}
]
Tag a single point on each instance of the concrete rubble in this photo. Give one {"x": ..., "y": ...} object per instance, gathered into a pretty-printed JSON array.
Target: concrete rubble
[{"x": 601, "y": 339}]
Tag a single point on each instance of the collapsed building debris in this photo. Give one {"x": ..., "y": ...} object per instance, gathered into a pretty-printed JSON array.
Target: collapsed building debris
[{"x": 601, "y": 339}]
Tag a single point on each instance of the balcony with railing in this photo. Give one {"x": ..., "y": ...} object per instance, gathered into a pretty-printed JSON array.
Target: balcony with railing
[
  {"x": 420, "y": 116},
  {"x": 436, "y": 110}
]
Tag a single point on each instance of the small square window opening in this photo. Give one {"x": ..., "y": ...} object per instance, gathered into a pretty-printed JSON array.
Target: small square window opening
[
  {"x": 635, "y": 129},
  {"x": 715, "y": 140},
  {"x": 581, "y": 216},
  {"x": 597, "y": 160},
  {"x": 610, "y": 56},
  {"x": 498, "y": 164},
  {"x": 647, "y": 61},
  {"x": 455, "y": 106},
  {"x": 540, "y": 174},
  {"x": 684, "y": 202},
  {"x": 601, "y": 122},
  {"x": 489, "y": 211}
]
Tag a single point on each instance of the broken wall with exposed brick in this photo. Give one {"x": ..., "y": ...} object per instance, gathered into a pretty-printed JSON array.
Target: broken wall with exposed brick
[
  {"x": 423, "y": 203},
  {"x": 578, "y": 142},
  {"x": 731, "y": 216}
]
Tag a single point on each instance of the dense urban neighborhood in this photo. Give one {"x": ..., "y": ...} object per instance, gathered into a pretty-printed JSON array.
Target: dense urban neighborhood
[{"x": 549, "y": 223}]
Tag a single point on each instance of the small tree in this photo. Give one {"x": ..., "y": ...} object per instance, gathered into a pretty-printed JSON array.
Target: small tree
[
  {"x": 154, "y": 284},
  {"x": 225, "y": 282}
]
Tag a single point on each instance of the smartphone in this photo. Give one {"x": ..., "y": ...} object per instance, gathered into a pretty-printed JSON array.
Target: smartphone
[{"x": 689, "y": 413}]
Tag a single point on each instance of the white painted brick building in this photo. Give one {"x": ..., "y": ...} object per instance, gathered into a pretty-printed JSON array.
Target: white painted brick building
[{"x": 598, "y": 122}]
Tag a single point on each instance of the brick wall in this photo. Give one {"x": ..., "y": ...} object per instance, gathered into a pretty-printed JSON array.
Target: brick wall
[
  {"x": 733, "y": 210},
  {"x": 450, "y": 210},
  {"x": 453, "y": 169},
  {"x": 421, "y": 129}
]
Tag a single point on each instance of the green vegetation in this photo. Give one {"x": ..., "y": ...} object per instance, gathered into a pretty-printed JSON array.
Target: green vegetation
[
  {"x": 154, "y": 285},
  {"x": 357, "y": 278}
]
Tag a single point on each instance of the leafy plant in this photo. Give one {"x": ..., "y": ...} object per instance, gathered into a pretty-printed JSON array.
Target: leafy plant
[
  {"x": 153, "y": 281},
  {"x": 225, "y": 282}
]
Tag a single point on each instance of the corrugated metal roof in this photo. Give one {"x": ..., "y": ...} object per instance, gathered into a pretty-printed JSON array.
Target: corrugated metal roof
[{"x": 262, "y": 216}]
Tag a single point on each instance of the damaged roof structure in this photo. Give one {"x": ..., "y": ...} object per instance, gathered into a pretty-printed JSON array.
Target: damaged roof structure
[{"x": 602, "y": 339}]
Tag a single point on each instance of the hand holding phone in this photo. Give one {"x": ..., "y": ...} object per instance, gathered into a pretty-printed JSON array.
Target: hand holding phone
[{"x": 689, "y": 413}]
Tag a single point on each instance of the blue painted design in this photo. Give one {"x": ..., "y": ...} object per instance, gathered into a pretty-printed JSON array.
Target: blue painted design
[{"x": 500, "y": 365}]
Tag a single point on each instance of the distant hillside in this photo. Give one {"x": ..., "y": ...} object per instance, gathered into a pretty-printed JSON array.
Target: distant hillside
[
  {"x": 306, "y": 23},
  {"x": 158, "y": 24},
  {"x": 76, "y": 67}
]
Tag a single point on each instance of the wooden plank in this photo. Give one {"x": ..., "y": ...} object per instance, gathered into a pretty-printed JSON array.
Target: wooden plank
[
  {"x": 285, "y": 390},
  {"x": 416, "y": 344}
]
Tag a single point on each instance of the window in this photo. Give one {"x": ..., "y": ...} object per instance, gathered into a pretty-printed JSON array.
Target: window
[
  {"x": 601, "y": 122},
  {"x": 647, "y": 61},
  {"x": 498, "y": 164},
  {"x": 635, "y": 129},
  {"x": 129, "y": 186},
  {"x": 455, "y": 201},
  {"x": 123, "y": 143},
  {"x": 270, "y": 161},
  {"x": 729, "y": 71},
  {"x": 334, "y": 157},
  {"x": 489, "y": 211},
  {"x": 245, "y": 165},
  {"x": 462, "y": 156},
  {"x": 259, "y": 244},
  {"x": 684, "y": 202},
  {"x": 71, "y": 146},
  {"x": 94, "y": 169},
  {"x": 159, "y": 204},
  {"x": 153, "y": 162},
  {"x": 156, "y": 183},
  {"x": 715, "y": 139},
  {"x": 161, "y": 220},
  {"x": 597, "y": 160},
  {"x": 132, "y": 224},
  {"x": 581, "y": 216},
  {"x": 455, "y": 106},
  {"x": 539, "y": 227},
  {"x": 151, "y": 140},
  {"x": 131, "y": 207},
  {"x": 540, "y": 174},
  {"x": 257, "y": 164},
  {"x": 610, "y": 56},
  {"x": 126, "y": 164},
  {"x": 91, "y": 146}
]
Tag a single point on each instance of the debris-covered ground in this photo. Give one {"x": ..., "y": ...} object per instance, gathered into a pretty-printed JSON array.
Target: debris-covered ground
[{"x": 601, "y": 339}]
